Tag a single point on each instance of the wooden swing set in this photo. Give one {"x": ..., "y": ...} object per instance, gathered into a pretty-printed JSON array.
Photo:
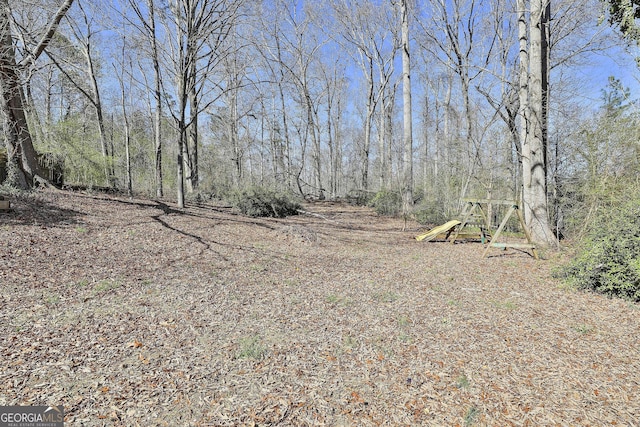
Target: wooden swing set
[{"x": 473, "y": 215}]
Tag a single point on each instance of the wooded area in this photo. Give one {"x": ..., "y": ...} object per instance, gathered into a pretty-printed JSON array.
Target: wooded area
[
  {"x": 210, "y": 259},
  {"x": 199, "y": 97},
  {"x": 133, "y": 312}
]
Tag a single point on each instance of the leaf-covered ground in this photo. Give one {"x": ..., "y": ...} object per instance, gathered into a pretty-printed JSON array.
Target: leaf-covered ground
[{"x": 135, "y": 313}]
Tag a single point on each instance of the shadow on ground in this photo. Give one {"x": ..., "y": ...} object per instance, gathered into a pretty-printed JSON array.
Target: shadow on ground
[{"x": 30, "y": 209}]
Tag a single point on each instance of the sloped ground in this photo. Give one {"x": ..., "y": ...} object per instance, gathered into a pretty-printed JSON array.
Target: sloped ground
[{"x": 132, "y": 312}]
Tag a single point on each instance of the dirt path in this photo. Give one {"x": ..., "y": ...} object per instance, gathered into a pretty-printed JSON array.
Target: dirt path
[{"x": 131, "y": 312}]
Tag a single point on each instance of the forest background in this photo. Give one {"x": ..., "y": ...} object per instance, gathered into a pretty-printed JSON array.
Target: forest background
[
  {"x": 138, "y": 310},
  {"x": 304, "y": 97}
]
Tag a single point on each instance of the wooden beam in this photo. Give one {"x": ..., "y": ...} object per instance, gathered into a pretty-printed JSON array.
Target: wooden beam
[
  {"x": 493, "y": 202},
  {"x": 513, "y": 245}
]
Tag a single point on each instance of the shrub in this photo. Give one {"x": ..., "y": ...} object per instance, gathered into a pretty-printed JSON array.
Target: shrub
[
  {"x": 200, "y": 197},
  {"x": 263, "y": 202},
  {"x": 608, "y": 260},
  {"x": 358, "y": 197},
  {"x": 388, "y": 203},
  {"x": 429, "y": 212}
]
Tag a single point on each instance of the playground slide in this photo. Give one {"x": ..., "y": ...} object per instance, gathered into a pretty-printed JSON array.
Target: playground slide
[{"x": 431, "y": 234}]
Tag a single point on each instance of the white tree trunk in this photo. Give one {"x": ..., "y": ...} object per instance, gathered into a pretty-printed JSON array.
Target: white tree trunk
[{"x": 407, "y": 160}]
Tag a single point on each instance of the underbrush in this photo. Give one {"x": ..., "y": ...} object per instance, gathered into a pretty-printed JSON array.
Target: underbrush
[
  {"x": 387, "y": 203},
  {"x": 263, "y": 202},
  {"x": 429, "y": 212},
  {"x": 608, "y": 258}
]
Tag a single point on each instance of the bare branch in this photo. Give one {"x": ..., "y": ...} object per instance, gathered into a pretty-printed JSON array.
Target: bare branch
[{"x": 46, "y": 39}]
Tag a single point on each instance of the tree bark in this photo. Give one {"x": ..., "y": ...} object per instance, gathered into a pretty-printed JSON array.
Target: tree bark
[
  {"x": 180, "y": 119},
  {"x": 22, "y": 156},
  {"x": 107, "y": 158},
  {"x": 366, "y": 148},
  {"x": 407, "y": 164},
  {"x": 127, "y": 142},
  {"x": 191, "y": 159},
  {"x": 315, "y": 139},
  {"x": 157, "y": 94},
  {"x": 534, "y": 155},
  {"x": 523, "y": 86},
  {"x": 125, "y": 116}
]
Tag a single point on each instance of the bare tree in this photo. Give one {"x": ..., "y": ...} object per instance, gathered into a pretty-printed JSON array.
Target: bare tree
[
  {"x": 85, "y": 33},
  {"x": 269, "y": 48},
  {"x": 119, "y": 70},
  {"x": 199, "y": 29},
  {"x": 534, "y": 145},
  {"x": 334, "y": 87},
  {"x": 407, "y": 173},
  {"x": 84, "y": 75},
  {"x": 304, "y": 47},
  {"x": 147, "y": 27},
  {"x": 292, "y": 52},
  {"x": 457, "y": 37},
  {"x": 367, "y": 32},
  {"x": 22, "y": 155}
]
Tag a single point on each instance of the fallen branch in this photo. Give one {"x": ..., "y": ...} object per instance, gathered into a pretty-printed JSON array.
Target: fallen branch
[{"x": 303, "y": 212}]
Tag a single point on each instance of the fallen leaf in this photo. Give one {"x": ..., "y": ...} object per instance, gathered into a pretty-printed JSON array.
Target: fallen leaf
[{"x": 135, "y": 344}]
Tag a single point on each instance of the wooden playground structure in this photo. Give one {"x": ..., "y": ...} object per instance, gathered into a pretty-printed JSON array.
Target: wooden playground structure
[{"x": 474, "y": 215}]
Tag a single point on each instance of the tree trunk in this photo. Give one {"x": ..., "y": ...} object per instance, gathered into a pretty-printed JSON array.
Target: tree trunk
[
  {"x": 371, "y": 105},
  {"x": 157, "y": 94},
  {"x": 523, "y": 87},
  {"x": 544, "y": 48},
  {"x": 97, "y": 104},
  {"x": 180, "y": 162},
  {"x": 234, "y": 137},
  {"x": 192, "y": 141},
  {"x": 22, "y": 156},
  {"x": 182, "y": 135},
  {"x": 407, "y": 161},
  {"x": 382, "y": 151},
  {"x": 330, "y": 145},
  {"x": 32, "y": 113},
  {"x": 149, "y": 29},
  {"x": 127, "y": 126},
  {"x": 315, "y": 140},
  {"x": 426, "y": 182},
  {"x": 534, "y": 155},
  {"x": 127, "y": 150}
]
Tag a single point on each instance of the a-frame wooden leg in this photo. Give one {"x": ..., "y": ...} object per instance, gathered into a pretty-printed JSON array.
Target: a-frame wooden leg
[
  {"x": 468, "y": 210},
  {"x": 530, "y": 245},
  {"x": 527, "y": 234},
  {"x": 499, "y": 230}
]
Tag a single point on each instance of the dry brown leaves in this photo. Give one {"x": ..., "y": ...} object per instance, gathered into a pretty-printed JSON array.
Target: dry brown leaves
[{"x": 132, "y": 312}]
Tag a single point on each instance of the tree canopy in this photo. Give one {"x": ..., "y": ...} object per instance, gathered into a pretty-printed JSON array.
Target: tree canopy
[{"x": 624, "y": 15}]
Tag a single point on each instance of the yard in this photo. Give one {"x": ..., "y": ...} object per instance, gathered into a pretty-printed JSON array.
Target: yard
[{"x": 132, "y": 312}]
